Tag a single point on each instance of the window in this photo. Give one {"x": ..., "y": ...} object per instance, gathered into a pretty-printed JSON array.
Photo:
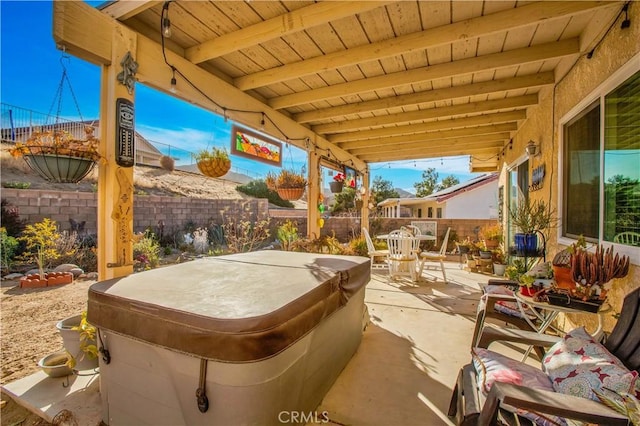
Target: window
[
  {"x": 419, "y": 212},
  {"x": 430, "y": 212},
  {"x": 601, "y": 173},
  {"x": 439, "y": 212}
]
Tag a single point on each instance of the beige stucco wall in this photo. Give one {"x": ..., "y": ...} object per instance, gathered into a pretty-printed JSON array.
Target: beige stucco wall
[{"x": 543, "y": 126}]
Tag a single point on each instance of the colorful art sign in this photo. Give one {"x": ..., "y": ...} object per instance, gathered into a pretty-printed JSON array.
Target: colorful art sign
[{"x": 248, "y": 144}]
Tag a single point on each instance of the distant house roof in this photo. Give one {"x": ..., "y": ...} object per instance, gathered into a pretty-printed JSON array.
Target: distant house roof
[{"x": 446, "y": 193}]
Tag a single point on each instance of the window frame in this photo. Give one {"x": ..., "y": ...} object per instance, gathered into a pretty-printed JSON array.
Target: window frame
[{"x": 598, "y": 95}]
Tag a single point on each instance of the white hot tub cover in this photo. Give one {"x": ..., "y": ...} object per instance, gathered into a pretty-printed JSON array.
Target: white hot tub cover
[{"x": 236, "y": 308}]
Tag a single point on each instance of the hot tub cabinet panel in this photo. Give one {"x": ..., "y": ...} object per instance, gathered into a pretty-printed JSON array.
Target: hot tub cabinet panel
[{"x": 274, "y": 329}]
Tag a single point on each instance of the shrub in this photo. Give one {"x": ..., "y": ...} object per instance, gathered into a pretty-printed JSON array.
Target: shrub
[
  {"x": 10, "y": 219},
  {"x": 146, "y": 251},
  {"x": 358, "y": 247},
  {"x": 8, "y": 247},
  {"x": 288, "y": 233},
  {"x": 258, "y": 189},
  {"x": 244, "y": 235},
  {"x": 40, "y": 243}
]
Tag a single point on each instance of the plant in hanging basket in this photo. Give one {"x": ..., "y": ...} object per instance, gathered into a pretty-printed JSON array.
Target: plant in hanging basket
[
  {"x": 213, "y": 162},
  {"x": 290, "y": 185},
  {"x": 270, "y": 181},
  {"x": 57, "y": 156}
]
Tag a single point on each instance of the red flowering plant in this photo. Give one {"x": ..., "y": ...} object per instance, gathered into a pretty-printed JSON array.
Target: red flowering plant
[{"x": 340, "y": 177}]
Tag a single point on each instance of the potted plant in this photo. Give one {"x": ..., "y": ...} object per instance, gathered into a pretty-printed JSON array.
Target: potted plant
[
  {"x": 290, "y": 184},
  {"x": 338, "y": 183},
  {"x": 57, "y": 156},
  {"x": 213, "y": 162},
  {"x": 530, "y": 217},
  {"x": 270, "y": 181},
  {"x": 491, "y": 235},
  {"x": 79, "y": 340},
  {"x": 499, "y": 262}
]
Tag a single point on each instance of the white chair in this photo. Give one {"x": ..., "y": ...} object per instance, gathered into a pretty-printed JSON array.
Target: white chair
[
  {"x": 629, "y": 238},
  {"x": 411, "y": 228},
  {"x": 373, "y": 252},
  {"x": 403, "y": 254},
  {"x": 440, "y": 256}
]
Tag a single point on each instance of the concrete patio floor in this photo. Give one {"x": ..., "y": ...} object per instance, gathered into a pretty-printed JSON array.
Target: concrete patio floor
[{"x": 402, "y": 373}]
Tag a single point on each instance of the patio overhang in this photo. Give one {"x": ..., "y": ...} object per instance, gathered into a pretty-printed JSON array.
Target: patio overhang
[{"x": 353, "y": 82}]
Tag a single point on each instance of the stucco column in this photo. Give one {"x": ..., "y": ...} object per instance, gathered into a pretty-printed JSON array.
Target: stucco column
[
  {"x": 115, "y": 183},
  {"x": 366, "y": 197}
]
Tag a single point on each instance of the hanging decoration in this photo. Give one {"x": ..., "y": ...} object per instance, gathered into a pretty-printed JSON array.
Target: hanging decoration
[
  {"x": 321, "y": 210},
  {"x": 60, "y": 152},
  {"x": 248, "y": 144},
  {"x": 127, "y": 77}
]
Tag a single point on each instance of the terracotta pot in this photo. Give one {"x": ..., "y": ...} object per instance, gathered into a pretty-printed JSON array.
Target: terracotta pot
[
  {"x": 290, "y": 193},
  {"x": 562, "y": 276}
]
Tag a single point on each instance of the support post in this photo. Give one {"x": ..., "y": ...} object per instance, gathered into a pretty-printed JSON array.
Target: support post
[
  {"x": 313, "y": 194},
  {"x": 115, "y": 183},
  {"x": 366, "y": 198}
]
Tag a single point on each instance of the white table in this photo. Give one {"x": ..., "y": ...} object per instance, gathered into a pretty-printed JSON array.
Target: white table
[{"x": 419, "y": 237}]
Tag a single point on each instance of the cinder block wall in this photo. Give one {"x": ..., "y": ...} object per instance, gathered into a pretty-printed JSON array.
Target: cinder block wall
[{"x": 35, "y": 205}]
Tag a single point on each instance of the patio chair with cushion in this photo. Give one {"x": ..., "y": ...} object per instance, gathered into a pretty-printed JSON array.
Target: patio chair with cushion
[
  {"x": 439, "y": 256},
  {"x": 574, "y": 369},
  {"x": 374, "y": 253}
]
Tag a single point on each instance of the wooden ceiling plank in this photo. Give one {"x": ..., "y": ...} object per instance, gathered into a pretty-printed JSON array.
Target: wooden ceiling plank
[
  {"x": 291, "y": 22},
  {"x": 425, "y": 114},
  {"x": 464, "y": 66},
  {"x": 476, "y": 120},
  {"x": 417, "y": 147},
  {"x": 427, "y": 153},
  {"x": 125, "y": 9},
  {"x": 499, "y": 22},
  {"x": 535, "y": 80},
  {"x": 436, "y": 135}
]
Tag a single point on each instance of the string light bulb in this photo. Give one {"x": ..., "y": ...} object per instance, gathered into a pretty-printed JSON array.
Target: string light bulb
[
  {"x": 172, "y": 89},
  {"x": 166, "y": 23},
  {"x": 262, "y": 122}
]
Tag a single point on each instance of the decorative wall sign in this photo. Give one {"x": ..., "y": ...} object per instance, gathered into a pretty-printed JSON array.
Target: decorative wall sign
[
  {"x": 537, "y": 177},
  {"x": 248, "y": 144},
  {"x": 125, "y": 134}
]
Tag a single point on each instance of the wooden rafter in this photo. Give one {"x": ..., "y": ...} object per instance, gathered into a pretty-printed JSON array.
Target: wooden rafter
[
  {"x": 492, "y": 61},
  {"x": 500, "y": 85},
  {"x": 297, "y": 20},
  {"x": 476, "y": 120},
  {"x": 424, "y": 153},
  {"x": 426, "y": 114},
  {"x": 440, "y": 134},
  {"x": 125, "y": 9},
  {"x": 491, "y": 140},
  {"x": 530, "y": 14}
]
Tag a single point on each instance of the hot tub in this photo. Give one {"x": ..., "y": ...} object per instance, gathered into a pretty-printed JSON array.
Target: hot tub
[{"x": 262, "y": 335}]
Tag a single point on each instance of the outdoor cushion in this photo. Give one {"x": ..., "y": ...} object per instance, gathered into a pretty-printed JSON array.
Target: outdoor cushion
[
  {"x": 493, "y": 367},
  {"x": 577, "y": 364}
]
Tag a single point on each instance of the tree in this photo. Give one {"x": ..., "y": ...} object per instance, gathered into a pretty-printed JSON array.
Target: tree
[
  {"x": 381, "y": 190},
  {"x": 448, "y": 182},
  {"x": 344, "y": 201},
  {"x": 428, "y": 184}
]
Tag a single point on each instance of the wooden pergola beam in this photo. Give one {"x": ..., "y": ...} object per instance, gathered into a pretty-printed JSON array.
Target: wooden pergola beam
[
  {"x": 297, "y": 20},
  {"x": 477, "y": 120},
  {"x": 492, "y": 61},
  {"x": 498, "y": 131},
  {"x": 530, "y": 14},
  {"x": 486, "y": 87},
  {"x": 125, "y": 9},
  {"x": 485, "y": 141},
  {"x": 412, "y": 155},
  {"x": 427, "y": 114}
]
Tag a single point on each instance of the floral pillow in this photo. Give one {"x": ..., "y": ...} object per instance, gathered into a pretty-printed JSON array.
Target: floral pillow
[
  {"x": 577, "y": 364},
  {"x": 493, "y": 367}
]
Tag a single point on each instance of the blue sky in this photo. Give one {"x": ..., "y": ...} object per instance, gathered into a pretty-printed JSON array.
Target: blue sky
[{"x": 31, "y": 71}]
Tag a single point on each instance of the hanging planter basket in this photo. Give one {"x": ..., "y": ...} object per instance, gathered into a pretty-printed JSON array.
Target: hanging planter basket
[
  {"x": 336, "y": 187},
  {"x": 214, "y": 167},
  {"x": 290, "y": 194},
  {"x": 58, "y": 168}
]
